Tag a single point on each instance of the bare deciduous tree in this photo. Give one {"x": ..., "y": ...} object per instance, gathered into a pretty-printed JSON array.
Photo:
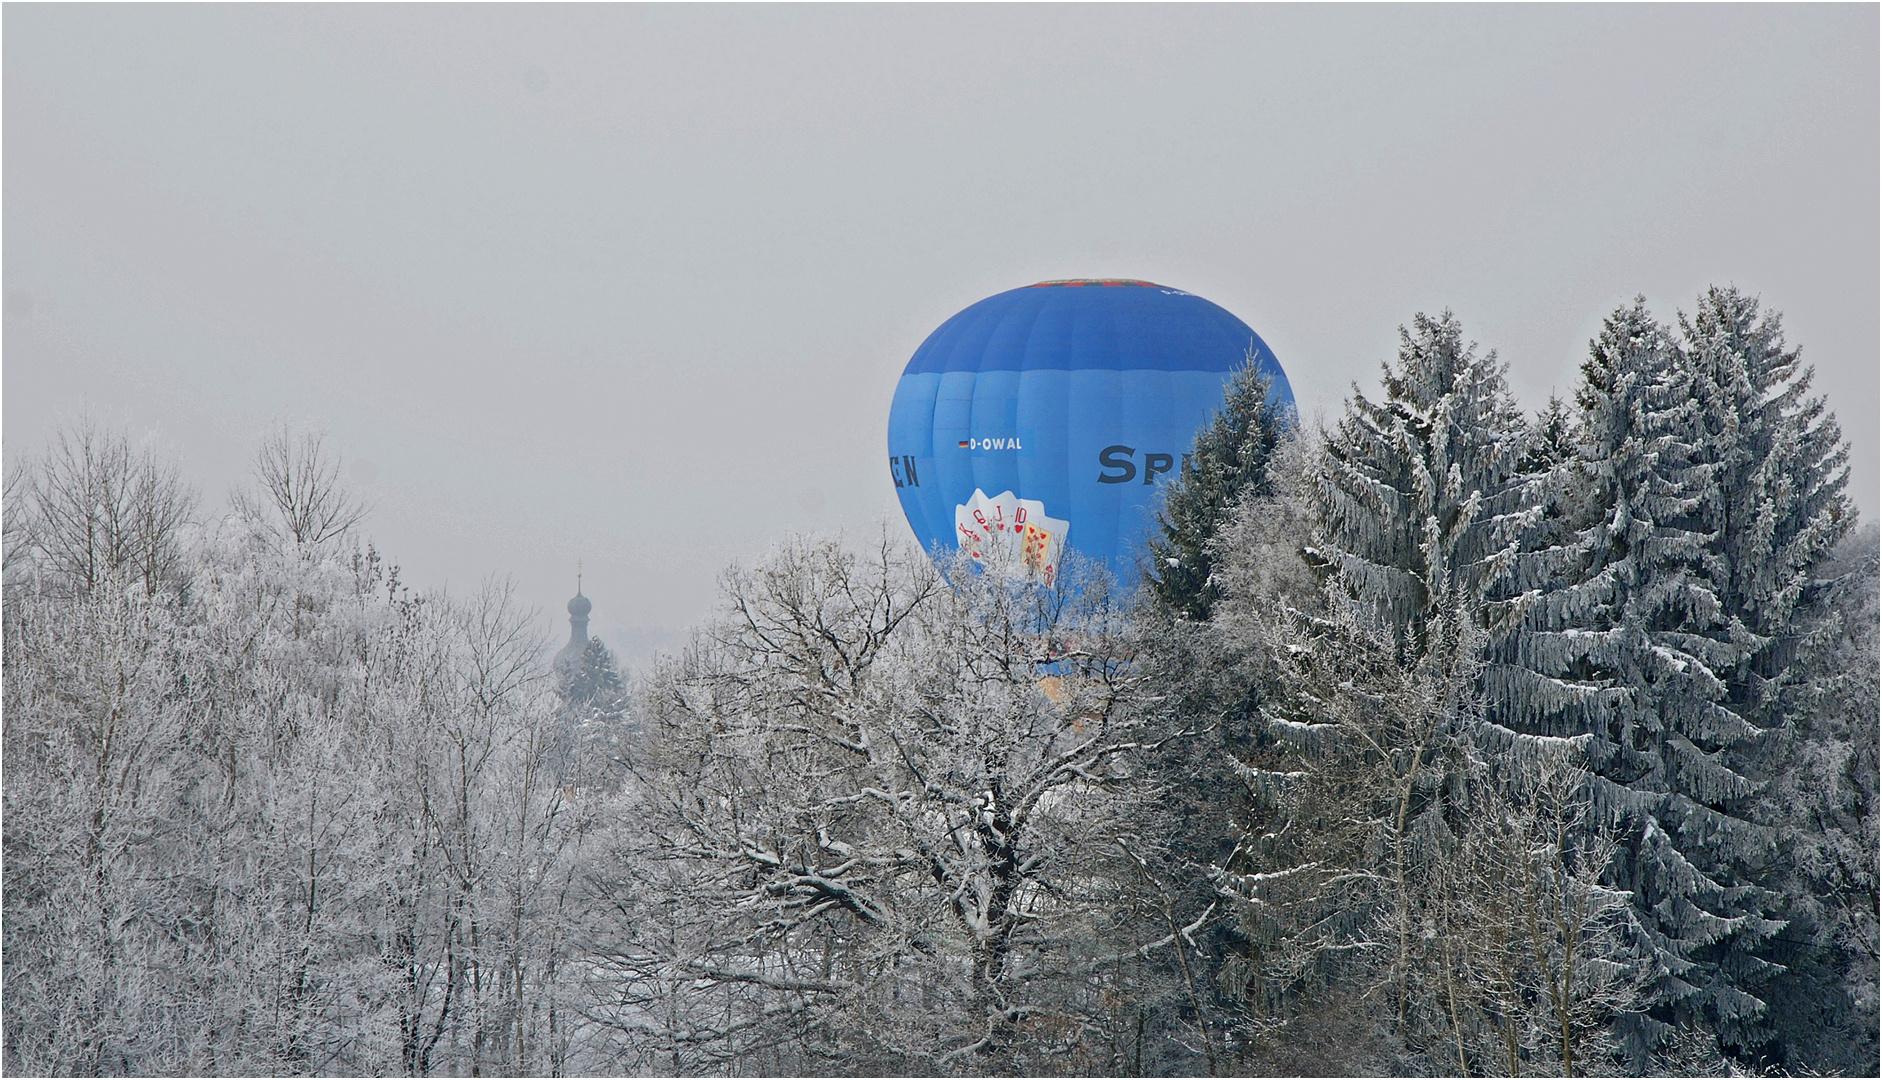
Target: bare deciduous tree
[
  {"x": 101, "y": 506},
  {"x": 301, "y": 496},
  {"x": 877, "y": 831},
  {"x": 16, "y": 518}
]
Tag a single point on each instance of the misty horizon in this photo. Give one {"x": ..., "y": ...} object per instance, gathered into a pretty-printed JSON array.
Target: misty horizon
[{"x": 631, "y": 287}]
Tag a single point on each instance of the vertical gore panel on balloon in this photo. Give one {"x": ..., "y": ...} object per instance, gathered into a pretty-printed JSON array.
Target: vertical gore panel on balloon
[
  {"x": 1049, "y": 343},
  {"x": 1092, "y": 333},
  {"x": 967, "y": 340},
  {"x": 953, "y": 411},
  {"x": 1094, "y": 419},
  {"x": 934, "y": 353},
  {"x": 1010, "y": 339},
  {"x": 1043, "y": 397},
  {"x": 992, "y": 432}
]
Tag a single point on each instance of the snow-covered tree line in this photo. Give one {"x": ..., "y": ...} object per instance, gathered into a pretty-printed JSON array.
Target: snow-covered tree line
[
  {"x": 1442, "y": 740},
  {"x": 266, "y": 809},
  {"x": 1557, "y": 751}
]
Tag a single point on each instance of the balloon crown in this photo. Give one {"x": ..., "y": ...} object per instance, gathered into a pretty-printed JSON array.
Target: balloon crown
[{"x": 1096, "y": 281}]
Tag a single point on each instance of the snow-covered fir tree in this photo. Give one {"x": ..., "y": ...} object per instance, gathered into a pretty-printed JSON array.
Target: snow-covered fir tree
[
  {"x": 1552, "y": 437},
  {"x": 596, "y": 729},
  {"x": 1421, "y": 495},
  {"x": 1365, "y": 777},
  {"x": 1823, "y": 804},
  {"x": 593, "y": 688},
  {"x": 1404, "y": 895},
  {"x": 1229, "y": 463},
  {"x": 1419, "y": 505},
  {"x": 1780, "y": 473},
  {"x": 1622, "y": 637}
]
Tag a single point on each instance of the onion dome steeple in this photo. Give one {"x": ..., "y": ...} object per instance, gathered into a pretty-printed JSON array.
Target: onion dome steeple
[{"x": 570, "y": 658}]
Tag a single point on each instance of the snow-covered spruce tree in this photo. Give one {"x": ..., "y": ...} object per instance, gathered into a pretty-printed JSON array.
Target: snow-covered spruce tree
[
  {"x": 596, "y": 683},
  {"x": 1363, "y": 772},
  {"x": 1781, "y": 474},
  {"x": 1552, "y": 437},
  {"x": 1208, "y": 704},
  {"x": 1390, "y": 907},
  {"x": 1204, "y": 709},
  {"x": 1780, "y": 468},
  {"x": 1823, "y": 801},
  {"x": 595, "y": 735},
  {"x": 1621, "y": 638},
  {"x": 1421, "y": 496},
  {"x": 1200, "y": 718},
  {"x": 1230, "y": 460},
  {"x": 1425, "y": 503}
]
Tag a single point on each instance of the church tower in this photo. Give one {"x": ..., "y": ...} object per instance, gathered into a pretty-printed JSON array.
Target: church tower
[{"x": 569, "y": 660}]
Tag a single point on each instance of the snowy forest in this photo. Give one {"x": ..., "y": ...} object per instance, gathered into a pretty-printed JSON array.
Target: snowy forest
[{"x": 1437, "y": 739}]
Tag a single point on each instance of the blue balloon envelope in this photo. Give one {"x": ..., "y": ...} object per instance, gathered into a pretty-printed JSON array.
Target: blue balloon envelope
[{"x": 1066, "y": 405}]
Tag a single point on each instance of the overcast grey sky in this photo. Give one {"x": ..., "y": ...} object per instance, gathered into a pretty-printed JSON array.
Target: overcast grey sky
[{"x": 634, "y": 285}]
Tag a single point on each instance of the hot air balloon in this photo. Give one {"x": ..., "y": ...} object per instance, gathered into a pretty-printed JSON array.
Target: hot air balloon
[{"x": 1051, "y": 417}]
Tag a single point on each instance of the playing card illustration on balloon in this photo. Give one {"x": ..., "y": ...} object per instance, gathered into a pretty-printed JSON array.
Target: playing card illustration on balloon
[{"x": 1019, "y": 530}]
